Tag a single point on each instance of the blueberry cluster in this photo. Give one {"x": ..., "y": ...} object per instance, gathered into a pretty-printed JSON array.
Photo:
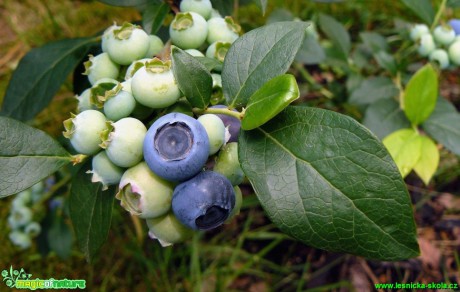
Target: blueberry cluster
[
  {"x": 177, "y": 171},
  {"x": 22, "y": 219},
  {"x": 442, "y": 45}
]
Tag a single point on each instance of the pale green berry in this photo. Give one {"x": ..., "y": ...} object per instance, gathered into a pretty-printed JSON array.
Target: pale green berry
[
  {"x": 426, "y": 45},
  {"x": 222, "y": 30},
  {"x": 168, "y": 230},
  {"x": 194, "y": 52},
  {"x": 105, "y": 171},
  {"x": 156, "y": 46},
  {"x": 444, "y": 34},
  {"x": 418, "y": 30},
  {"x": 154, "y": 84},
  {"x": 20, "y": 239},
  {"x": 32, "y": 229},
  {"x": 218, "y": 50},
  {"x": 227, "y": 163},
  {"x": 441, "y": 57},
  {"x": 134, "y": 67},
  {"x": 84, "y": 131},
  {"x": 188, "y": 30},
  {"x": 108, "y": 33},
  {"x": 100, "y": 66},
  {"x": 129, "y": 43},
  {"x": 454, "y": 52},
  {"x": 119, "y": 105},
  {"x": 123, "y": 141},
  {"x": 202, "y": 7},
  {"x": 143, "y": 193},
  {"x": 216, "y": 131}
]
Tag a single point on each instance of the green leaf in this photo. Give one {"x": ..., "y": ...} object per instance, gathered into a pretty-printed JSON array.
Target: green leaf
[
  {"x": 311, "y": 52},
  {"x": 225, "y": 7},
  {"x": 126, "y": 3},
  {"x": 337, "y": 33},
  {"x": 258, "y": 56},
  {"x": 27, "y": 155},
  {"x": 280, "y": 14},
  {"x": 210, "y": 63},
  {"x": 405, "y": 147},
  {"x": 262, "y": 4},
  {"x": 384, "y": 117},
  {"x": 327, "y": 181},
  {"x": 453, "y": 3},
  {"x": 153, "y": 17},
  {"x": 193, "y": 78},
  {"x": 374, "y": 41},
  {"x": 60, "y": 238},
  {"x": 39, "y": 76},
  {"x": 422, "y": 8},
  {"x": 386, "y": 61},
  {"x": 429, "y": 159},
  {"x": 442, "y": 125},
  {"x": 373, "y": 89},
  {"x": 421, "y": 94},
  {"x": 90, "y": 211},
  {"x": 269, "y": 100}
]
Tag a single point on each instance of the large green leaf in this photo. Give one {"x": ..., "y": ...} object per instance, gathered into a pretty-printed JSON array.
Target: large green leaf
[
  {"x": 373, "y": 89},
  {"x": 259, "y": 56},
  {"x": 421, "y": 94},
  {"x": 337, "y": 33},
  {"x": 405, "y": 146},
  {"x": 39, "y": 76},
  {"x": 422, "y": 8},
  {"x": 443, "y": 125},
  {"x": 153, "y": 17},
  {"x": 193, "y": 78},
  {"x": 90, "y": 211},
  {"x": 327, "y": 181},
  {"x": 27, "y": 155},
  {"x": 384, "y": 117},
  {"x": 269, "y": 100}
]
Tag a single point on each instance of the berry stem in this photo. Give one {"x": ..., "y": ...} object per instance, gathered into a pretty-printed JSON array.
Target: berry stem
[
  {"x": 440, "y": 11},
  {"x": 224, "y": 111}
]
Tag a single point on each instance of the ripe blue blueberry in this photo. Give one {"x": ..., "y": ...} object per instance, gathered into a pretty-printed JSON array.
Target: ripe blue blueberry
[
  {"x": 426, "y": 45},
  {"x": 100, "y": 66},
  {"x": 216, "y": 131},
  {"x": 127, "y": 44},
  {"x": 455, "y": 24},
  {"x": 231, "y": 123},
  {"x": 222, "y": 30},
  {"x": 228, "y": 165},
  {"x": 143, "y": 193},
  {"x": 154, "y": 85},
  {"x": 168, "y": 230},
  {"x": 188, "y": 30},
  {"x": 123, "y": 141},
  {"x": 444, "y": 34},
  {"x": 84, "y": 131},
  {"x": 176, "y": 147},
  {"x": 202, "y": 7},
  {"x": 105, "y": 171},
  {"x": 441, "y": 57},
  {"x": 204, "y": 202}
]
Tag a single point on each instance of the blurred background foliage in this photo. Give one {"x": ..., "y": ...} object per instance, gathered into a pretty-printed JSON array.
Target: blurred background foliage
[{"x": 249, "y": 254}]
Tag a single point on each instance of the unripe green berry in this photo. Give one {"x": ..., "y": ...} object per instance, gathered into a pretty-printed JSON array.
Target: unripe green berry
[
  {"x": 454, "y": 52},
  {"x": 216, "y": 131},
  {"x": 129, "y": 43},
  {"x": 100, "y": 66},
  {"x": 202, "y": 7},
  {"x": 105, "y": 171},
  {"x": 155, "y": 47},
  {"x": 168, "y": 230},
  {"x": 228, "y": 165},
  {"x": 188, "y": 30},
  {"x": 218, "y": 50},
  {"x": 222, "y": 30}
]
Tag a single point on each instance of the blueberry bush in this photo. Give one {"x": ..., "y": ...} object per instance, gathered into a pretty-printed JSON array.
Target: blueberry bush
[{"x": 177, "y": 111}]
